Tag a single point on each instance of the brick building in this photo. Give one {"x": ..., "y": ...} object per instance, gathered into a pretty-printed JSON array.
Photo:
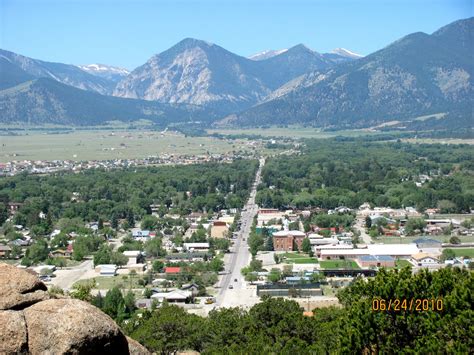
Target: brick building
[{"x": 288, "y": 240}]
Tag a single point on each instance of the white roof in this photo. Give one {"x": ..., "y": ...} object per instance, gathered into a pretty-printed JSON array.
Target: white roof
[
  {"x": 196, "y": 245},
  {"x": 335, "y": 247},
  {"x": 285, "y": 233},
  {"x": 324, "y": 241},
  {"x": 376, "y": 249},
  {"x": 107, "y": 266},
  {"x": 176, "y": 294},
  {"x": 132, "y": 253},
  {"x": 393, "y": 249},
  {"x": 355, "y": 252}
]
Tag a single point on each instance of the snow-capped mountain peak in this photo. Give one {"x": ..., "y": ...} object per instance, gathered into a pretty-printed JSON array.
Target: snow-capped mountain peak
[
  {"x": 267, "y": 54},
  {"x": 103, "y": 68},
  {"x": 115, "y": 74},
  {"x": 346, "y": 53}
]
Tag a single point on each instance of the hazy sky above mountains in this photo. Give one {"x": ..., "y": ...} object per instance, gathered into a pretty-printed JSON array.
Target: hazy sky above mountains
[{"x": 127, "y": 33}]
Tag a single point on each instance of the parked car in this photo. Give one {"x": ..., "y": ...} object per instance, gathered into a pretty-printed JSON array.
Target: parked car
[{"x": 231, "y": 287}]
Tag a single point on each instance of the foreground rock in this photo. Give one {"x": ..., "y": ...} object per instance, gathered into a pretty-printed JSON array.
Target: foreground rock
[
  {"x": 19, "y": 288},
  {"x": 13, "y": 338},
  {"x": 71, "y": 326},
  {"x": 31, "y": 321}
]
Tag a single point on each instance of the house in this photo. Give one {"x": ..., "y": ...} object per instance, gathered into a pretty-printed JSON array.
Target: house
[
  {"x": 424, "y": 259},
  {"x": 5, "y": 251},
  {"x": 134, "y": 256},
  {"x": 193, "y": 288},
  {"x": 107, "y": 269},
  {"x": 61, "y": 253},
  {"x": 227, "y": 219},
  {"x": 288, "y": 240},
  {"x": 20, "y": 242},
  {"x": 143, "y": 303},
  {"x": 172, "y": 270},
  {"x": 190, "y": 256},
  {"x": 13, "y": 207},
  {"x": 265, "y": 215},
  {"x": 427, "y": 243},
  {"x": 196, "y": 246},
  {"x": 219, "y": 229},
  {"x": 138, "y": 233},
  {"x": 376, "y": 261},
  {"x": 176, "y": 296}
]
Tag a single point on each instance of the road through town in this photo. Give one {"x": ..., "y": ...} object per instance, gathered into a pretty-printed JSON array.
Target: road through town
[{"x": 235, "y": 291}]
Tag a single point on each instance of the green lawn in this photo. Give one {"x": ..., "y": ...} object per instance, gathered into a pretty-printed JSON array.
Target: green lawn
[
  {"x": 464, "y": 252},
  {"x": 293, "y": 255},
  {"x": 402, "y": 263},
  {"x": 302, "y": 261},
  {"x": 106, "y": 283},
  {"x": 405, "y": 240},
  {"x": 338, "y": 264}
]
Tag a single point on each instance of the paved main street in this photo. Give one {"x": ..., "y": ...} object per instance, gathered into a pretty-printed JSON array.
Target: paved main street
[
  {"x": 241, "y": 293},
  {"x": 359, "y": 225}
]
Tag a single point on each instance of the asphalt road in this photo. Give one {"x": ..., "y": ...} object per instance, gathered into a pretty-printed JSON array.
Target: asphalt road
[
  {"x": 66, "y": 277},
  {"x": 241, "y": 294},
  {"x": 360, "y": 226}
]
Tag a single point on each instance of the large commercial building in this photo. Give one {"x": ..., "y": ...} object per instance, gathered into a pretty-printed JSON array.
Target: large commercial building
[{"x": 288, "y": 240}]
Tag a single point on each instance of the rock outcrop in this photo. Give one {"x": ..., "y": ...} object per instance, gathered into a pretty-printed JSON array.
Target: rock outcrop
[{"x": 32, "y": 321}]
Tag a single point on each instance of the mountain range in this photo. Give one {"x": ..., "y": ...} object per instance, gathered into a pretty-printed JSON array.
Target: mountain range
[
  {"x": 419, "y": 78},
  {"x": 410, "y": 80},
  {"x": 203, "y": 73}
]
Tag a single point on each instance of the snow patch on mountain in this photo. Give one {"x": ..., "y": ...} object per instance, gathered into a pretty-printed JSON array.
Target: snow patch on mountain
[
  {"x": 91, "y": 68},
  {"x": 267, "y": 54},
  {"x": 346, "y": 53}
]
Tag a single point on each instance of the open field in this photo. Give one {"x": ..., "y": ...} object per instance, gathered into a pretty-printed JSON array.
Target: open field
[
  {"x": 405, "y": 240},
  {"x": 464, "y": 252},
  {"x": 338, "y": 264},
  {"x": 293, "y": 132},
  {"x": 108, "y": 282},
  {"x": 104, "y": 145},
  {"x": 438, "y": 140}
]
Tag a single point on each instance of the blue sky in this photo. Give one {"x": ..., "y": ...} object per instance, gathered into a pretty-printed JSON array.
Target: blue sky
[{"x": 127, "y": 33}]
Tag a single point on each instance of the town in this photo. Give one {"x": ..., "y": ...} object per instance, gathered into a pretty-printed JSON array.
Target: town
[{"x": 232, "y": 257}]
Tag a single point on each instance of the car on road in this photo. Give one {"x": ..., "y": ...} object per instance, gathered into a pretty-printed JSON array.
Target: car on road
[{"x": 231, "y": 287}]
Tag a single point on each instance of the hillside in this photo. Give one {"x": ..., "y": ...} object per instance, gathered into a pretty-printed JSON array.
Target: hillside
[
  {"x": 418, "y": 75},
  {"x": 46, "y": 101},
  {"x": 202, "y": 73},
  {"x": 17, "y": 65}
]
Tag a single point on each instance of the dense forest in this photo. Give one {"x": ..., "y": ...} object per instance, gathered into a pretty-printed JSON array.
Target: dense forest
[
  {"x": 94, "y": 195},
  {"x": 278, "y": 326},
  {"x": 333, "y": 172}
]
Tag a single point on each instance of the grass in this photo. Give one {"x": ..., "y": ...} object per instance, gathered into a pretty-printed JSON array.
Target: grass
[
  {"x": 291, "y": 131},
  {"x": 298, "y": 258},
  {"x": 464, "y": 252},
  {"x": 106, "y": 283},
  {"x": 293, "y": 255},
  {"x": 406, "y": 240},
  {"x": 104, "y": 145},
  {"x": 303, "y": 261},
  {"x": 402, "y": 263},
  {"x": 339, "y": 264}
]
